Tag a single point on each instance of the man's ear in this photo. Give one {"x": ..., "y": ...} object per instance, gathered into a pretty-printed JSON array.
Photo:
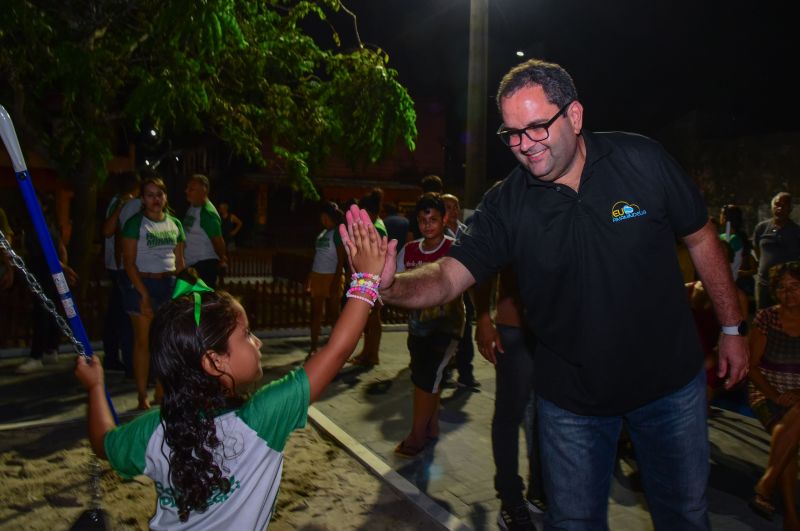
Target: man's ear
[
  {"x": 575, "y": 115},
  {"x": 213, "y": 364}
]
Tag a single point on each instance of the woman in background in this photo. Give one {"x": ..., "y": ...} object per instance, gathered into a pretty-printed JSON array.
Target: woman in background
[
  {"x": 326, "y": 280},
  {"x": 152, "y": 253},
  {"x": 775, "y": 390}
]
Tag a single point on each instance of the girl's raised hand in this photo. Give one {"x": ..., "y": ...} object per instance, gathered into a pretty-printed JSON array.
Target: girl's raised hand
[
  {"x": 355, "y": 216},
  {"x": 366, "y": 247}
]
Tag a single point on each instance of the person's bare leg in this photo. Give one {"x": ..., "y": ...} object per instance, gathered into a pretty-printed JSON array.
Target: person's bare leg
[
  {"x": 372, "y": 339},
  {"x": 141, "y": 358},
  {"x": 316, "y": 322},
  {"x": 783, "y": 447},
  {"x": 332, "y": 310},
  {"x": 432, "y": 432},
  {"x": 158, "y": 394},
  {"x": 425, "y": 404},
  {"x": 787, "y": 485}
]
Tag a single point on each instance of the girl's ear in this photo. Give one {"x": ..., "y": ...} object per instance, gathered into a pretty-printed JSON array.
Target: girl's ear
[{"x": 213, "y": 363}]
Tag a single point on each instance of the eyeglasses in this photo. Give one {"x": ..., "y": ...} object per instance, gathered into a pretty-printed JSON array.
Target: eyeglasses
[{"x": 535, "y": 133}]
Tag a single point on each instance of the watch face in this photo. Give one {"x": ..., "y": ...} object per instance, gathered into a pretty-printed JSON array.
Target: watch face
[{"x": 743, "y": 328}]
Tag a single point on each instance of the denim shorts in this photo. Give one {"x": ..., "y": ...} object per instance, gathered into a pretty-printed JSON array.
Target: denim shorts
[{"x": 160, "y": 290}]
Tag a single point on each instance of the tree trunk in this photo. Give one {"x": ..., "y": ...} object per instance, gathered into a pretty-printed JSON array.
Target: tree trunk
[{"x": 82, "y": 254}]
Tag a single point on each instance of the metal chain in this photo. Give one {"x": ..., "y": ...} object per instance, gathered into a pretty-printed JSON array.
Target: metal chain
[
  {"x": 95, "y": 490},
  {"x": 37, "y": 290},
  {"x": 96, "y": 514}
]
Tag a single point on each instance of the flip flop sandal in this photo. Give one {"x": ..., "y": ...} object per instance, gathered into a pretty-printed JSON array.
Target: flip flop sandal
[
  {"x": 762, "y": 507},
  {"x": 361, "y": 362},
  {"x": 405, "y": 450}
]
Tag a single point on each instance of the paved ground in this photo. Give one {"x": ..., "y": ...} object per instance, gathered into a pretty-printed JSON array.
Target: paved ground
[{"x": 374, "y": 407}]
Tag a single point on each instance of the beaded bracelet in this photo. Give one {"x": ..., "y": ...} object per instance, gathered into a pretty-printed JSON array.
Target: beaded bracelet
[
  {"x": 371, "y": 302},
  {"x": 360, "y": 290},
  {"x": 364, "y": 286},
  {"x": 375, "y": 279}
]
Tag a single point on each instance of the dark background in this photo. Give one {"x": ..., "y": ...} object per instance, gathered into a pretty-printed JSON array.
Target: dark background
[{"x": 639, "y": 65}]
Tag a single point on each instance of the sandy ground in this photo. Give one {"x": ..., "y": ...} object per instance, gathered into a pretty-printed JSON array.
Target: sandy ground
[
  {"x": 44, "y": 473},
  {"x": 45, "y": 479}
]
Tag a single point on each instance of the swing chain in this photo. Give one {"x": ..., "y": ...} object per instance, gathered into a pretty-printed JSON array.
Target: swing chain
[
  {"x": 95, "y": 490},
  {"x": 37, "y": 290}
]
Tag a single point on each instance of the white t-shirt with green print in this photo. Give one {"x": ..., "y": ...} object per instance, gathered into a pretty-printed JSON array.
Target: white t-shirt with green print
[
  {"x": 201, "y": 224},
  {"x": 155, "y": 241},
  {"x": 251, "y": 457}
]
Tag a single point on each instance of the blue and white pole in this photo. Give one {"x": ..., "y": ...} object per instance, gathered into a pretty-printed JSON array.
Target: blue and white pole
[{"x": 11, "y": 142}]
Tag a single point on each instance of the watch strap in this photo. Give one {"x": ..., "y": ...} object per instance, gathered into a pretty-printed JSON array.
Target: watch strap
[{"x": 731, "y": 330}]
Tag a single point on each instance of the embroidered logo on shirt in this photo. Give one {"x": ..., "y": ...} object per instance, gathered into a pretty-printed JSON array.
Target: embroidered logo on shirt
[
  {"x": 623, "y": 210},
  {"x": 166, "y": 495}
]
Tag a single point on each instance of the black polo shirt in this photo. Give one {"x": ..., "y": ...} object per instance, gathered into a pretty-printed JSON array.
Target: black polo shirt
[{"x": 598, "y": 273}]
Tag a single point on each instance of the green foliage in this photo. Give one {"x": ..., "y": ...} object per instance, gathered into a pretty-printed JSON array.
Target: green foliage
[{"x": 244, "y": 71}]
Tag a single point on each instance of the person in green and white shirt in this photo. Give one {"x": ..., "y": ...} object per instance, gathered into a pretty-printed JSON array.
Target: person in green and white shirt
[
  {"x": 216, "y": 458},
  {"x": 152, "y": 252},
  {"x": 117, "y": 330},
  {"x": 205, "y": 247}
]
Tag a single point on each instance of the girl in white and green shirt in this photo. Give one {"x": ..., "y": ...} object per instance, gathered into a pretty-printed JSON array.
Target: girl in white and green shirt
[{"x": 152, "y": 252}]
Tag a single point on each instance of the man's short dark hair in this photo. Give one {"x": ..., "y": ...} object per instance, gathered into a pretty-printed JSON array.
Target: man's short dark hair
[
  {"x": 432, "y": 183},
  {"x": 429, "y": 201},
  {"x": 202, "y": 179},
  {"x": 557, "y": 83}
]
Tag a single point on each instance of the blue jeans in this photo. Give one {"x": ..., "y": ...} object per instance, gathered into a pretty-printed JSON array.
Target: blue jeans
[{"x": 670, "y": 437}]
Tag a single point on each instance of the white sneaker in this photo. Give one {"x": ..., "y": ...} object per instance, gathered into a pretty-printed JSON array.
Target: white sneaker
[
  {"x": 50, "y": 357},
  {"x": 32, "y": 365}
]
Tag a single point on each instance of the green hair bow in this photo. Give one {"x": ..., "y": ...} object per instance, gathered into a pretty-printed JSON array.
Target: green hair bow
[{"x": 191, "y": 286}]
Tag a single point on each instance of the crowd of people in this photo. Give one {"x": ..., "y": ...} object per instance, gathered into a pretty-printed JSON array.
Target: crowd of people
[{"x": 569, "y": 271}]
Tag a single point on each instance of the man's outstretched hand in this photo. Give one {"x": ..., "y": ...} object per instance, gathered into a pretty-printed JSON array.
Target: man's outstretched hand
[{"x": 355, "y": 215}]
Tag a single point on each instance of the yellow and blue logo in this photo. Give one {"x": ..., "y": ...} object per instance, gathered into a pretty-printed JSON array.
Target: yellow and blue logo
[{"x": 623, "y": 210}]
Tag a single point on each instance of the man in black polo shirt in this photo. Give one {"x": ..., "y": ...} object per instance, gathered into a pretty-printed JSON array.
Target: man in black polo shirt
[{"x": 589, "y": 222}]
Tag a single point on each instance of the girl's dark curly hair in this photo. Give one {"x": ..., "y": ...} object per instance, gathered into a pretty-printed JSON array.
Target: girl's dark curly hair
[{"x": 192, "y": 396}]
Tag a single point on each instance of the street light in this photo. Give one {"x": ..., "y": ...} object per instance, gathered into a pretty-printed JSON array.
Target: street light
[{"x": 475, "y": 178}]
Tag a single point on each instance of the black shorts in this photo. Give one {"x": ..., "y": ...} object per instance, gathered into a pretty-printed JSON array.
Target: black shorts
[{"x": 429, "y": 358}]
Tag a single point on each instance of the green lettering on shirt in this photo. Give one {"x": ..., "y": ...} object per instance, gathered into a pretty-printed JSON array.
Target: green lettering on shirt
[{"x": 156, "y": 239}]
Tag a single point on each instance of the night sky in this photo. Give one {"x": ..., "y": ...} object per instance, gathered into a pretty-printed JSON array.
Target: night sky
[{"x": 638, "y": 64}]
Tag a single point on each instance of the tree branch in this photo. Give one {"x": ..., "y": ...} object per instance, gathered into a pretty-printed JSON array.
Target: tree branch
[{"x": 355, "y": 23}]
